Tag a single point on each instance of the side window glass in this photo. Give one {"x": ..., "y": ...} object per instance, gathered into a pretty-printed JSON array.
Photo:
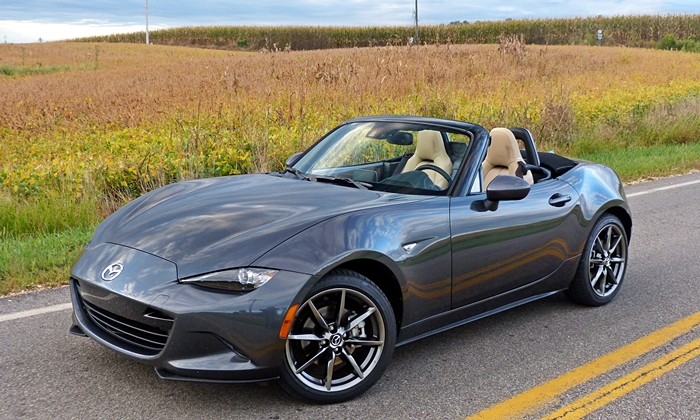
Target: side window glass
[{"x": 477, "y": 186}]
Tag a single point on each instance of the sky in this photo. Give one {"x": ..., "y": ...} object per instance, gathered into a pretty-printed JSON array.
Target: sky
[{"x": 51, "y": 20}]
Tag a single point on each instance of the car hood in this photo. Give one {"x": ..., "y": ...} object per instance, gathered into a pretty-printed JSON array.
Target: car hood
[{"x": 218, "y": 223}]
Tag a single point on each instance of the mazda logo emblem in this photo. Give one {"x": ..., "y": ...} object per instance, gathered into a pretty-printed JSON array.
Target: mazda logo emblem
[
  {"x": 112, "y": 272},
  {"x": 336, "y": 341}
]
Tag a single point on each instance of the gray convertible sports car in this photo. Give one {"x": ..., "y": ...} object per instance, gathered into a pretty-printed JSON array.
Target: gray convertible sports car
[{"x": 387, "y": 230}]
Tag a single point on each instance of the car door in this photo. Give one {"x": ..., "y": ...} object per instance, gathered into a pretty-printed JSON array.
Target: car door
[{"x": 517, "y": 244}]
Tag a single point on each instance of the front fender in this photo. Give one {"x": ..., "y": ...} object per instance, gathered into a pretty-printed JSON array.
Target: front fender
[{"x": 412, "y": 240}]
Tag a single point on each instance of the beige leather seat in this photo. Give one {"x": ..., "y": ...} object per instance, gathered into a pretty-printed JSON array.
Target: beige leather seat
[
  {"x": 430, "y": 149},
  {"x": 503, "y": 156}
]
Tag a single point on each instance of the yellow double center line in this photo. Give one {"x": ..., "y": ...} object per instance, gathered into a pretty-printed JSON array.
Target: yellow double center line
[{"x": 533, "y": 400}]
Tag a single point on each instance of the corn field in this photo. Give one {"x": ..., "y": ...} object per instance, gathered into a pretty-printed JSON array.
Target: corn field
[{"x": 630, "y": 31}]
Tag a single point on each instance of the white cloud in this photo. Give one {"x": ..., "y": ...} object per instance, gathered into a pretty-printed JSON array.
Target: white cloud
[{"x": 18, "y": 31}]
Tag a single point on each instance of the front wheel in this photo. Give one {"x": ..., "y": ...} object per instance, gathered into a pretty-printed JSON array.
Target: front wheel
[
  {"x": 341, "y": 339},
  {"x": 603, "y": 264}
]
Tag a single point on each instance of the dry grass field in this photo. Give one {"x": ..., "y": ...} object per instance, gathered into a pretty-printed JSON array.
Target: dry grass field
[
  {"x": 107, "y": 122},
  {"x": 126, "y": 118}
]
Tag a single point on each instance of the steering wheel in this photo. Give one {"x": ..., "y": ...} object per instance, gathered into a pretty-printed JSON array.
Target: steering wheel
[{"x": 437, "y": 169}]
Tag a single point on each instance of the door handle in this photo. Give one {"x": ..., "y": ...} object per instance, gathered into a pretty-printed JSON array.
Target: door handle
[{"x": 558, "y": 200}]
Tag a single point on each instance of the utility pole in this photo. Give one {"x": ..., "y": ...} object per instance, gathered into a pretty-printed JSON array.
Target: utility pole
[
  {"x": 147, "y": 22},
  {"x": 416, "y": 13}
]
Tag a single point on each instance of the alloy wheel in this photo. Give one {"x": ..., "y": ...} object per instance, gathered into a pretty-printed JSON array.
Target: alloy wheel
[
  {"x": 607, "y": 260},
  {"x": 336, "y": 340}
]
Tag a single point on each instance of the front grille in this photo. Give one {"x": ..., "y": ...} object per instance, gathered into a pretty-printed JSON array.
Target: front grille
[{"x": 131, "y": 335}]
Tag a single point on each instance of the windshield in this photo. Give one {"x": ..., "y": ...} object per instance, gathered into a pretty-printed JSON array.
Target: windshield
[{"x": 389, "y": 156}]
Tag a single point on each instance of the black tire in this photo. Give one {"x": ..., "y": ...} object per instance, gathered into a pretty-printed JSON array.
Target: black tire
[
  {"x": 603, "y": 264},
  {"x": 343, "y": 353}
]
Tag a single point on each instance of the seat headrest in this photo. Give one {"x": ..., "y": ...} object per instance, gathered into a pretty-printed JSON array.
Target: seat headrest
[
  {"x": 430, "y": 145},
  {"x": 504, "y": 148}
]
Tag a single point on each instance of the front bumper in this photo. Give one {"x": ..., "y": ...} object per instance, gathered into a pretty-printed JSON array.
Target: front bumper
[{"x": 183, "y": 330}]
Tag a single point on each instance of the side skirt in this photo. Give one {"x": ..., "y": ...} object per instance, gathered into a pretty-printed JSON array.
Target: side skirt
[
  {"x": 458, "y": 311},
  {"x": 547, "y": 286}
]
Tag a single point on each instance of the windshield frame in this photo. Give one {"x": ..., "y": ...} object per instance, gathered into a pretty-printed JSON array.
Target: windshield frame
[{"x": 383, "y": 128}]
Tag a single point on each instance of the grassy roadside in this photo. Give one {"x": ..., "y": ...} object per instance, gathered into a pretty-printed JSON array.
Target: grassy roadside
[
  {"x": 41, "y": 238},
  {"x": 38, "y": 261},
  {"x": 32, "y": 259},
  {"x": 650, "y": 162}
]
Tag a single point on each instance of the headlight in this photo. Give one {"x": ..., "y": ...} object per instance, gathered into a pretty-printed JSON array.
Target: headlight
[{"x": 241, "y": 279}]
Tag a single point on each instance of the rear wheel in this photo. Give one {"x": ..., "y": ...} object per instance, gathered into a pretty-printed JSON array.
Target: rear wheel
[
  {"x": 341, "y": 339},
  {"x": 603, "y": 264}
]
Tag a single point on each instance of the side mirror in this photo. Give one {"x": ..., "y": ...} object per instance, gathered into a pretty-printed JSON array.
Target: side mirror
[
  {"x": 505, "y": 188},
  {"x": 293, "y": 159}
]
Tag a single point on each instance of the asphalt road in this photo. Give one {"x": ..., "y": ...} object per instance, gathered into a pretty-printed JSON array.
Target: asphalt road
[{"x": 45, "y": 373}]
